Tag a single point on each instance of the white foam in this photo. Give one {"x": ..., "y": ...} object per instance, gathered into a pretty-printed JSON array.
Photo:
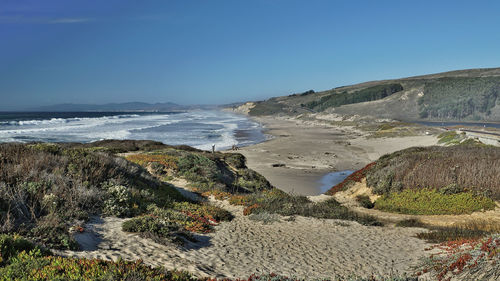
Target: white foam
[
  {"x": 226, "y": 133},
  {"x": 87, "y": 129},
  {"x": 54, "y": 121}
]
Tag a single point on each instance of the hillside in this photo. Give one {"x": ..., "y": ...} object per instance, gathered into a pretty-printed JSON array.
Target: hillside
[
  {"x": 46, "y": 190},
  {"x": 466, "y": 95}
]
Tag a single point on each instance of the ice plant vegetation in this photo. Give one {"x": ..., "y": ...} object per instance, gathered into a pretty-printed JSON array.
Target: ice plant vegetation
[
  {"x": 467, "y": 259},
  {"x": 433, "y": 202}
]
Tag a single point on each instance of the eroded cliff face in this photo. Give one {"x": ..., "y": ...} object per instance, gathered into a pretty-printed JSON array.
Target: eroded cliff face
[{"x": 242, "y": 109}]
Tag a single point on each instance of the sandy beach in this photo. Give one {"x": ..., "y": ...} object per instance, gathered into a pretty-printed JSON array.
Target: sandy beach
[
  {"x": 301, "y": 247},
  {"x": 304, "y": 151}
]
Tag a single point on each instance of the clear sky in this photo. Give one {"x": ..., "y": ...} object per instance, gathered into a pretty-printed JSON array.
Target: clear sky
[{"x": 212, "y": 52}]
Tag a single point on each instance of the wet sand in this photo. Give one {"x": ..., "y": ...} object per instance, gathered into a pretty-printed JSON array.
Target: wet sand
[{"x": 302, "y": 152}]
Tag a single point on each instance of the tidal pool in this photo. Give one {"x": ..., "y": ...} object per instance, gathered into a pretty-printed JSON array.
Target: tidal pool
[{"x": 331, "y": 179}]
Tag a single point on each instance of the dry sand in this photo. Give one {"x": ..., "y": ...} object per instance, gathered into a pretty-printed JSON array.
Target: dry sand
[
  {"x": 310, "y": 149},
  {"x": 305, "y": 247}
]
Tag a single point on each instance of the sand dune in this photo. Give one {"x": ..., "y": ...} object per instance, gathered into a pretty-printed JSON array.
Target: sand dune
[{"x": 304, "y": 247}]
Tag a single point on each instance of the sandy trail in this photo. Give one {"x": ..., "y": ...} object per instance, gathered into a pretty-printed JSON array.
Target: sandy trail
[{"x": 305, "y": 247}]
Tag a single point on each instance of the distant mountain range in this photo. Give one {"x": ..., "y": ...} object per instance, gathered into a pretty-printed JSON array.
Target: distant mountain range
[
  {"x": 127, "y": 106},
  {"x": 463, "y": 95}
]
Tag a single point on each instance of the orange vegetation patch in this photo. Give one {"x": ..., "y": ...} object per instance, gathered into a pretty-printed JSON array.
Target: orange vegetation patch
[
  {"x": 217, "y": 194},
  {"x": 456, "y": 256},
  {"x": 250, "y": 209}
]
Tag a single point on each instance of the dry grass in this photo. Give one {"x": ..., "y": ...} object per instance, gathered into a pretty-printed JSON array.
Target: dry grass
[
  {"x": 449, "y": 169},
  {"x": 469, "y": 230},
  {"x": 167, "y": 161}
]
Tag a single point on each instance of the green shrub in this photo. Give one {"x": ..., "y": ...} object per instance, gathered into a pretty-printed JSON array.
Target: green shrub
[
  {"x": 47, "y": 188},
  {"x": 119, "y": 200},
  {"x": 120, "y": 146},
  {"x": 365, "y": 201},
  {"x": 198, "y": 168},
  {"x": 123, "y": 201},
  {"x": 331, "y": 209},
  {"x": 34, "y": 266},
  {"x": 162, "y": 196},
  {"x": 410, "y": 223},
  {"x": 12, "y": 245},
  {"x": 159, "y": 229},
  {"x": 450, "y": 137},
  {"x": 205, "y": 211},
  {"x": 235, "y": 160},
  {"x": 433, "y": 202},
  {"x": 225, "y": 172},
  {"x": 252, "y": 181},
  {"x": 443, "y": 234},
  {"x": 172, "y": 225},
  {"x": 46, "y": 147},
  {"x": 369, "y": 94},
  {"x": 52, "y": 232},
  {"x": 268, "y": 107},
  {"x": 275, "y": 201},
  {"x": 386, "y": 126},
  {"x": 264, "y": 217},
  {"x": 459, "y": 97}
]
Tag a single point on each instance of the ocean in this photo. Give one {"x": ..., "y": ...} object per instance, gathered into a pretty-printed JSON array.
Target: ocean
[{"x": 200, "y": 128}]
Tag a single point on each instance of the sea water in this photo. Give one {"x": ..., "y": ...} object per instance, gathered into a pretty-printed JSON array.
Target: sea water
[
  {"x": 199, "y": 128},
  {"x": 332, "y": 179}
]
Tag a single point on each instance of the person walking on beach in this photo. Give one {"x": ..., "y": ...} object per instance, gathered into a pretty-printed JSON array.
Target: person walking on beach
[{"x": 213, "y": 148}]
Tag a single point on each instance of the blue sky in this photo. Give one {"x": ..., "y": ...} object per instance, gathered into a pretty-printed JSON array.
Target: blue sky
[{"x": 212, "y": 52}]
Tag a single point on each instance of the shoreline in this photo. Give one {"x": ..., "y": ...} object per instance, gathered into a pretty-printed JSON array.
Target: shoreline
[{"x": 300, "y": 153}]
